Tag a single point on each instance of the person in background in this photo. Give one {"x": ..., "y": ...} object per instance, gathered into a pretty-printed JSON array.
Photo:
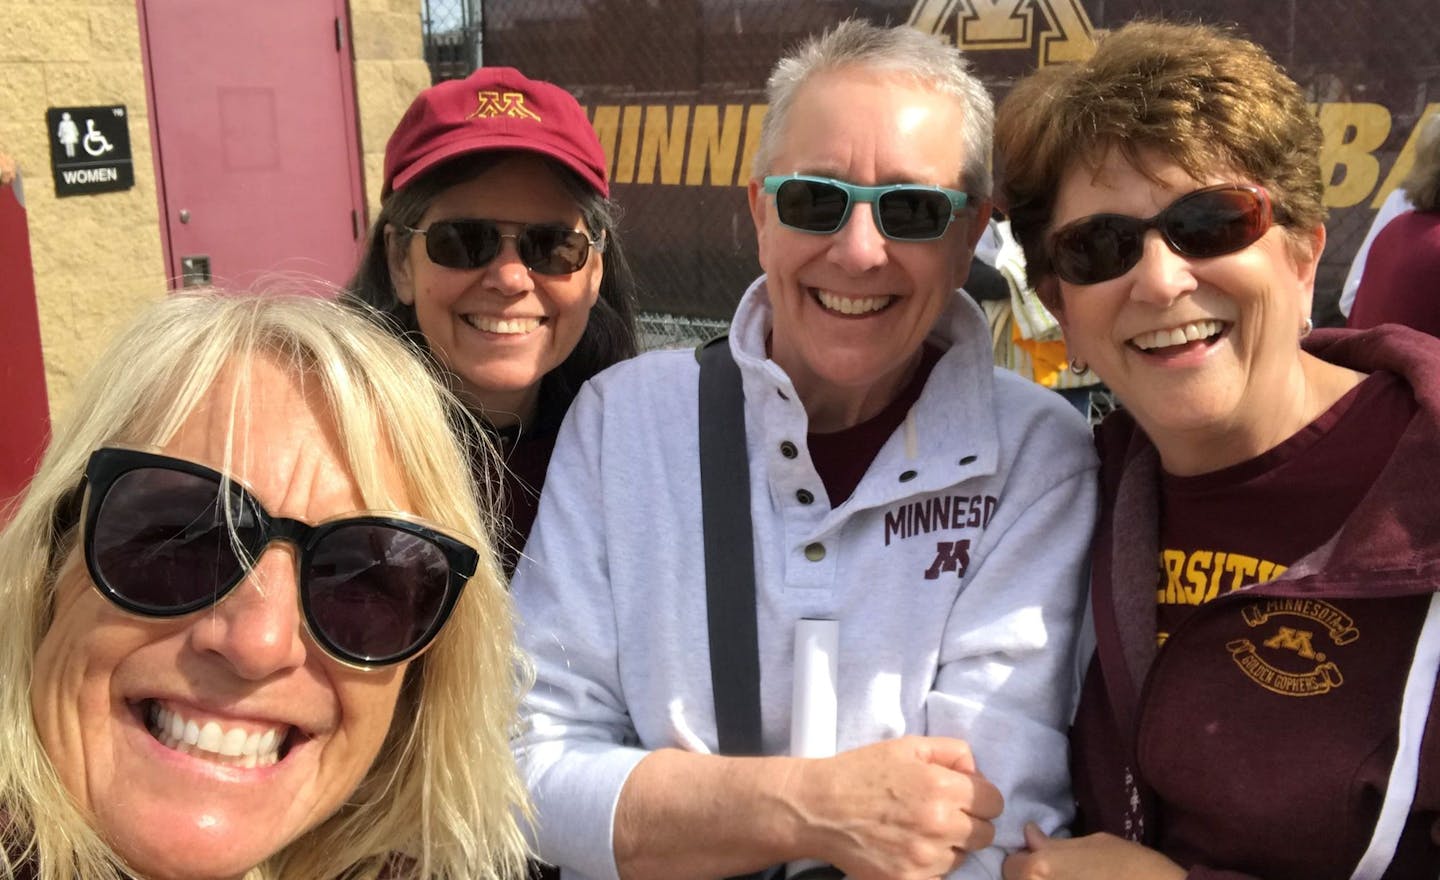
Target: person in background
[
  {"x": 253, "y": 624},
  {"x": 1395, "y": 204},
  {"x": 933, "y": 505},
  {"x": 1265, "y": 573},
  {"x": 1025, "y": 335},
  {"x": 986, "y": 283},
  {"x": 1401, "y": 284},
  {"x": 497, "y": 252}
]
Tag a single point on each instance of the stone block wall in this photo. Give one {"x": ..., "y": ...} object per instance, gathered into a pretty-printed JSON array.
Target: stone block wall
[
  {"x": 99, "y": 258},
  {"x": 390, "y": 70}
]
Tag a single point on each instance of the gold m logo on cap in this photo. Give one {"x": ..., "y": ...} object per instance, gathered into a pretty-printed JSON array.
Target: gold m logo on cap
[{"x": 510, "y": 104}]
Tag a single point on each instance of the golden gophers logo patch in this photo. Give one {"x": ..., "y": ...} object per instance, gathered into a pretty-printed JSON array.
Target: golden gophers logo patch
[
  {"x": 1300, "y": 667},
  {"x": 496, "y": 103}
]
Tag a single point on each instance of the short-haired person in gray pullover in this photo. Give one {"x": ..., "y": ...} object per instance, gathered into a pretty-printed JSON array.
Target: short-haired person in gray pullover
[{"x": 938, "y": 509}]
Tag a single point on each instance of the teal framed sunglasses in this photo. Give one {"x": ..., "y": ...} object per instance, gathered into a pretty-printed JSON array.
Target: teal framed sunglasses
[{"x": 903, "y": 211}]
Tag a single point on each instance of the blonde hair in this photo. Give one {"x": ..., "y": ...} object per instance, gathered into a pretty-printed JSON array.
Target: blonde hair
[
  {"x": 443, "y": 796},
  {"x": 1422, "y": 184}
]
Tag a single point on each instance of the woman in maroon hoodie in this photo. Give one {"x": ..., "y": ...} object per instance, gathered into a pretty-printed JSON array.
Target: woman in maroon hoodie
[{"x": 1266, "y": 569}]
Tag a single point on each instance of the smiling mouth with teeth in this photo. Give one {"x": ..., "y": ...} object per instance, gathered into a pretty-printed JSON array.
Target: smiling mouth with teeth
[
  {"x": 852, "y": 305},
  {"x": 1203, "y": 331},
  {"x": 235, "y": 747},
  {"x": 509, "y": 327}
]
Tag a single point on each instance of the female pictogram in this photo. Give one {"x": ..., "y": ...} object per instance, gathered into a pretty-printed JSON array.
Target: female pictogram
[{"x": 68, "y": 133}]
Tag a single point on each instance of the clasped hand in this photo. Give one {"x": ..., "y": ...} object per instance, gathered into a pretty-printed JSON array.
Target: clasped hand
[
  {"x": 903, "y": 809},
  {"x": 1093, "y": 857}
]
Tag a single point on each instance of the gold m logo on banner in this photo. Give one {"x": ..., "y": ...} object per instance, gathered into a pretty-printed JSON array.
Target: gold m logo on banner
[
  {"x": 985, "y": 25},
  {"x": 510, "y": 104}
]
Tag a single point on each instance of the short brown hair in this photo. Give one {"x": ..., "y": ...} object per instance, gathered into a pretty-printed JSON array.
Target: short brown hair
[{"x": 1199, "y": 95}]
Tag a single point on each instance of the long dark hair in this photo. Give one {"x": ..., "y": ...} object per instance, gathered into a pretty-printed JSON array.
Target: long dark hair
[{"x": 609, "y": 335}]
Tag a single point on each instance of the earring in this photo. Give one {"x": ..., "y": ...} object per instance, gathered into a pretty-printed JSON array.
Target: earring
[
  {"x": 1306, "y": 328},
  {"x": 1078, "y": 367}
]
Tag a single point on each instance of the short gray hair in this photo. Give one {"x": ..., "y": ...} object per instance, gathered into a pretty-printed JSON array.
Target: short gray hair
[{"x": 902, "y": 50}]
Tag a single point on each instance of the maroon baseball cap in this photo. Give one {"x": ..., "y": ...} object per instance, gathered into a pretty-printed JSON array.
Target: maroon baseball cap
[{"x": 494, "y": 108}]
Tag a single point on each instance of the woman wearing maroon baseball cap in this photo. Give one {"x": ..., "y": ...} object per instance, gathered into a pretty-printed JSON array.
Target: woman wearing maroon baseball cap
[{"x": 496, "y": 251}]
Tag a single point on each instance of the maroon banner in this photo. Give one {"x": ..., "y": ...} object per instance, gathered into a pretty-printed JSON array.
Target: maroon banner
[{"x": 676, "y": 91}]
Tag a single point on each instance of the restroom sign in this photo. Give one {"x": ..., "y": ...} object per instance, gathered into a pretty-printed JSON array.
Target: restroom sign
[{"x": 90, "y": 149}]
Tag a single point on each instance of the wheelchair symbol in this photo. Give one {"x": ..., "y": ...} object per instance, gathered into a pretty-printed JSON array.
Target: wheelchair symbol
[{"x": 95, "y": 143}]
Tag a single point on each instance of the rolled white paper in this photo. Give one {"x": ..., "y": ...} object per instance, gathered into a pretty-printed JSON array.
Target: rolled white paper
[
  {"x": 813, "y": 702},
  {"x": 814, "y": 706}
]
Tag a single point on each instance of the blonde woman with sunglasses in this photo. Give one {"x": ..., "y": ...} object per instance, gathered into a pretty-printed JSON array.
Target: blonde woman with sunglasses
[
  {"x": 1266, "y": 574},
  {"x": 253, "y": 627}
]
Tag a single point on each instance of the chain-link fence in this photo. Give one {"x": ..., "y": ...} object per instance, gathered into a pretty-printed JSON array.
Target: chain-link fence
[
  {"x": 452, "y": 37},
  {"x": 661, "y": 330},
  {"x": 675, "y": 90}
]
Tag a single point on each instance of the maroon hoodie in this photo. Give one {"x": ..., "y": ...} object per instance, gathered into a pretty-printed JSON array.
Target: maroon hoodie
[{"x": 1208, "y": 753}]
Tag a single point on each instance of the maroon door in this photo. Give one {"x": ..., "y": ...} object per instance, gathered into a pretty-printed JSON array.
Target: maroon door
[
  {"x": 24, "y": 412},
  {"x": 253, "y": 111}
]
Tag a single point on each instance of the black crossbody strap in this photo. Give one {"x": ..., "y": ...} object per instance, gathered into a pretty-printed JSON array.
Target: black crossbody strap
[
  {"x": 729, "y": 554},
  {"x": 729, "y": 551}
]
